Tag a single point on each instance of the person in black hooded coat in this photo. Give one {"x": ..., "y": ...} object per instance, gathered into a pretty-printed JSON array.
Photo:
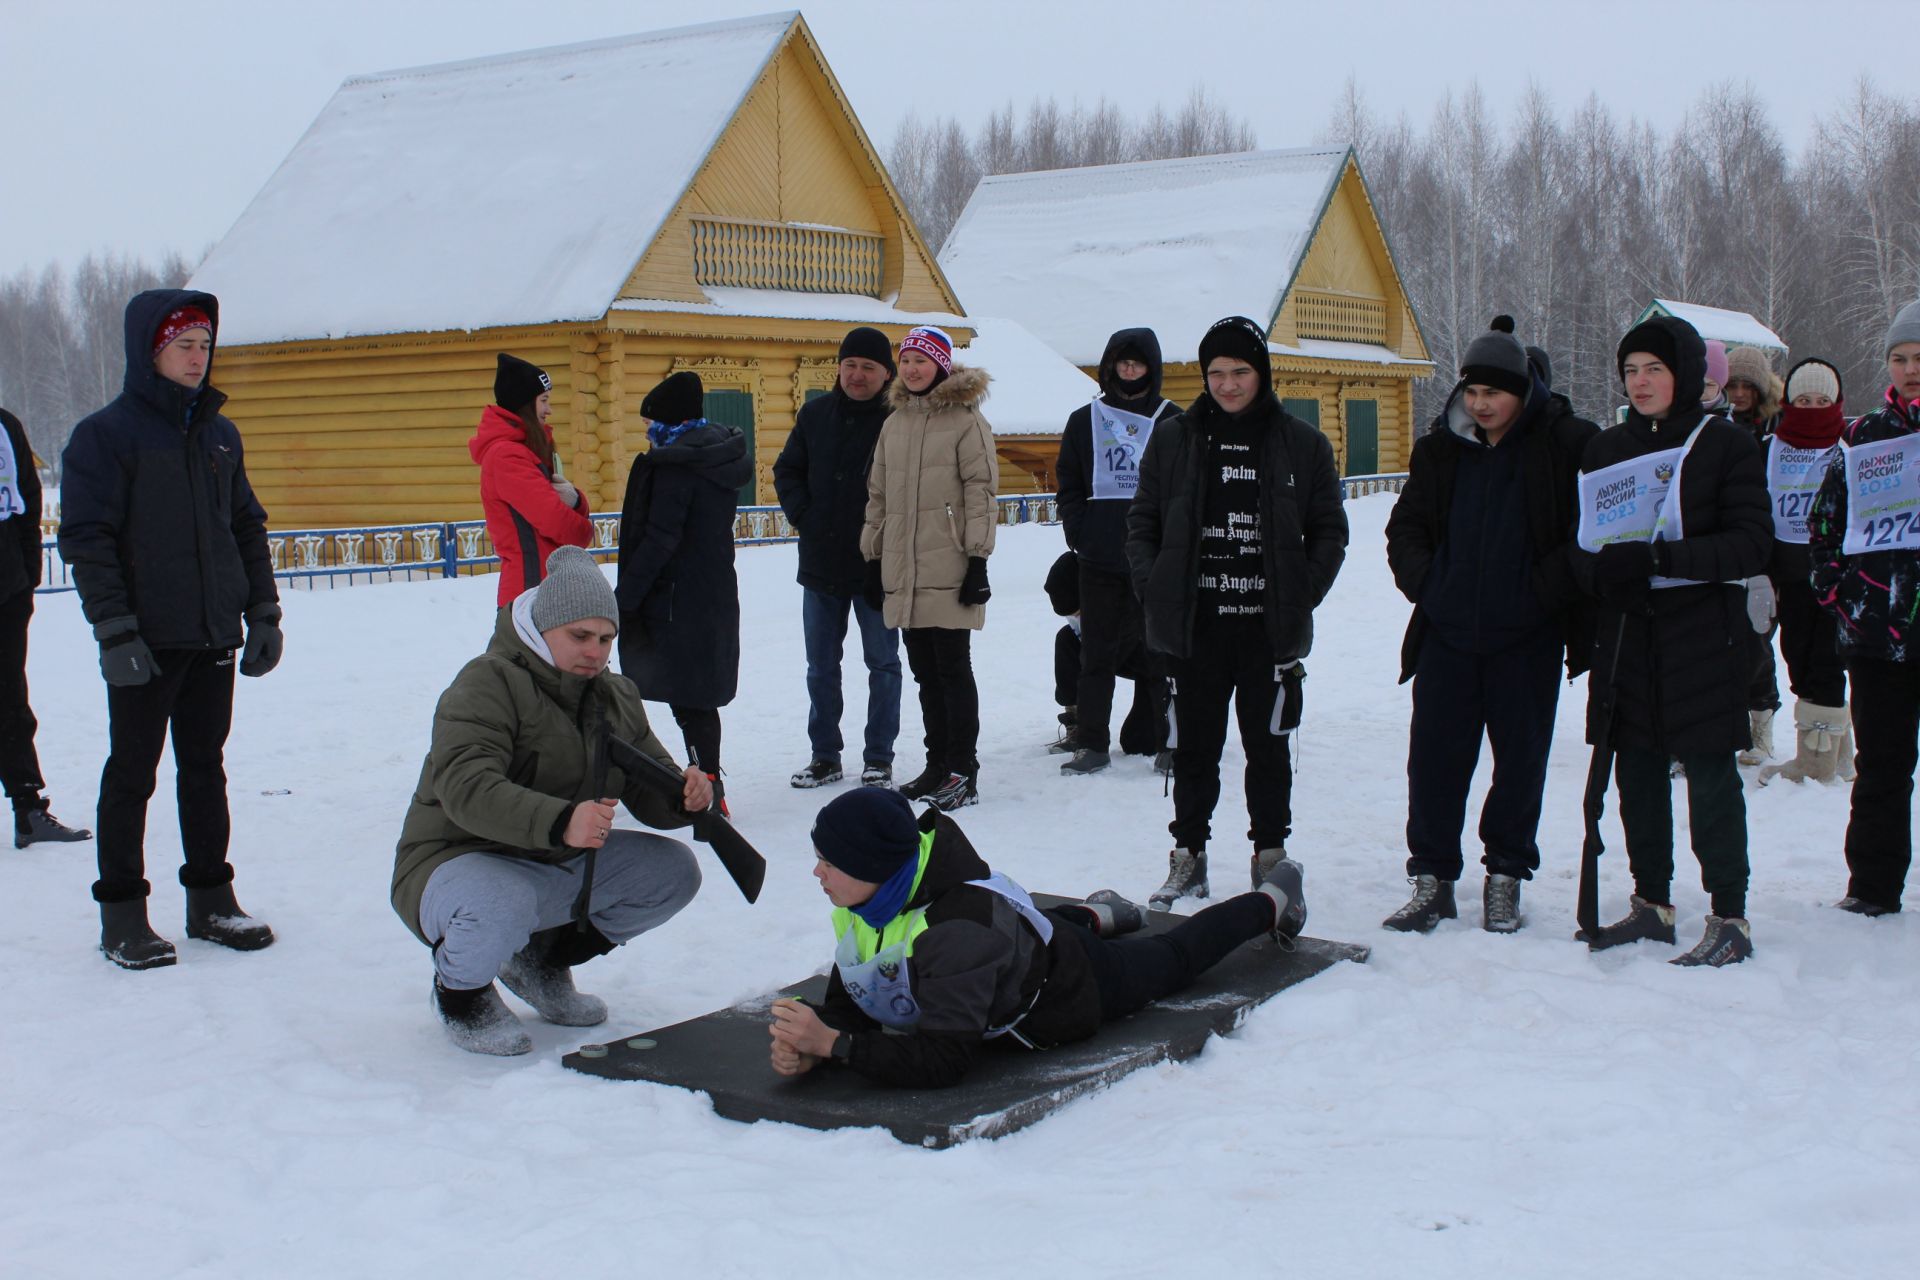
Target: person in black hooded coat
[
  {"x": 679, "y": 599},
  {"x": 1478, "y": 541},
  {"x": 1671, "y": 663},
  {"x": 168, "y": 549},
  {"x": 1097, "y": 480}
]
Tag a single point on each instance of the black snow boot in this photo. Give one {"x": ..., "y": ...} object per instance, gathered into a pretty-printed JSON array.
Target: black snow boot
[
  {"x": 1086, "y": 760},
  {"x": 1500, "y": 904},
  {"x": 541, "y": 973},
  {"x": 480, "y": 1022},
  {"x": 1651, "y": 921},
  {"x": 1726, "y": 941},
  {"x": 128, "y": 940},
  {"x": 1432, "y": 902},
  {"x": 1186, "y": 878},
  {"x": 931, "y": 779},
  {"x": 1866, "y": 907},
  {"x": 213, "y": 915},
  {"x": 34, "y": 824}
]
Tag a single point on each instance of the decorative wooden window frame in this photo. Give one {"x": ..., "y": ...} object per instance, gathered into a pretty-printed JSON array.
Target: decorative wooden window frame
[{"x": 1340, "y": 317}]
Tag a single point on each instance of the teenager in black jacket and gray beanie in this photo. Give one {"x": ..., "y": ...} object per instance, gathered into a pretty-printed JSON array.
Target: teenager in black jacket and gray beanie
[
  {"x": 1673, "y": 644},
  {"x": 1479, "y": 541},
  {"x": 156, "y": 482},
  {"x": 1874, "y": 595},
  {"x": 1233, "y": 540}
]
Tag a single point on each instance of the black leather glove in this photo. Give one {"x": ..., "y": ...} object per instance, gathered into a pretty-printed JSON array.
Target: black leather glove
[
  {"x": 125, "y": 660},
  {"x": 264, "y": 641},
  {"x": 1621, "y": 571},
  {"x": 872, "y": 590},
  {"x": 973, "y": 587}
]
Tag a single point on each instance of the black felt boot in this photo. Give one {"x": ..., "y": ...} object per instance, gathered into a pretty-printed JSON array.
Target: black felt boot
[
  {"x": 214, "y": 916},
  {"x": 127, "y": 939},
  {"x": 541, "y": 973}
]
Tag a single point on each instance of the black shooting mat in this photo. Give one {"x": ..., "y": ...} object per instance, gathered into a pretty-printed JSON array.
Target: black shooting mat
[{"x": 724, "y": 1054}]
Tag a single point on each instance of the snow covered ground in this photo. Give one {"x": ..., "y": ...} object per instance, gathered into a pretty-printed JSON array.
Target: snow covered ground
[{"x": 1464, "y": 1105}]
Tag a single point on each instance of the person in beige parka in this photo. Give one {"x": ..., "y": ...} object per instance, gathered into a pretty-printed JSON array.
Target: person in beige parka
[{"x": 929, "y": 530}]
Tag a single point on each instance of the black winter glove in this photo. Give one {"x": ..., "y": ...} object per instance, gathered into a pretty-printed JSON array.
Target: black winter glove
[
  {"x": 1621, "y": 571},
  {"x": 973, "y": 587},
  {"x": 264, "y": 641},
  {"x": 125, "y": 660},
  {"x": 872, "y": 590}
]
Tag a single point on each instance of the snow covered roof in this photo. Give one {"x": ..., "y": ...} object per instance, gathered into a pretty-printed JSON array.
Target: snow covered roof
[
  {"x": 782, "y": 304},
  {"x": 1173, "y": 244},
  {"x": 1735, "y": 328},
  {"x": 512, "y": 190},
  {"x": 1034, "y": 387}
]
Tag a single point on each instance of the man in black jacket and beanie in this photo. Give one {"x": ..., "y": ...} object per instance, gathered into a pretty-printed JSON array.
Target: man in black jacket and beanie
[
  {"x": 1233, "y": 540},
  {"x": 1674, "y": 645},
  {"x": 168, "y": 548},
  {"x": 1478, "y": 542},
  {"x": 1099, "y": 473},
  {"x": 821, "y": 479},
  {"x": 19, "y": 574}
]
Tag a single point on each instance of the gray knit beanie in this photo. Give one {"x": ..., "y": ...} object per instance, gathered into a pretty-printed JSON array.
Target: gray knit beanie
[
  {"x": 574, "y": 588},
  {"x": 1496, "y": 359},
  {"x": 1905, "y": 327}
]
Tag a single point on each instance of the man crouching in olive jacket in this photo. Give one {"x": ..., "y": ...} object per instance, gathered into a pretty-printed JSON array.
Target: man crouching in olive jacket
[{"x": 496, "y": 846}]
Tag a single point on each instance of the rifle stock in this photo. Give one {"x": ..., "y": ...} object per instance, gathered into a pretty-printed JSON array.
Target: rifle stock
[{"x": 741, "y": 860}]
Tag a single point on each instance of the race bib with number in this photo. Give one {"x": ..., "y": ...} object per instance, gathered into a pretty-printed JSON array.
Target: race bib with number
[
  {"x": 1621, "y": 503},
  {"x": 1119, "y": 442},
  {"x": 1883, "y": 496},
  {"x": 1793, "y": 480}
]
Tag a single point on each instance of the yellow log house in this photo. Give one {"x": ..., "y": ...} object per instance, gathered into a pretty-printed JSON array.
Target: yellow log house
[
  {"x": 1289, "y": 238},
  {"x": 702, "y": 199}
]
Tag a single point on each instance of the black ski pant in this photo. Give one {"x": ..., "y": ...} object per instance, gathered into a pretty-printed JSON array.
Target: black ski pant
[
  {"x": 1810, "y": 644},
  {"x": 1511, "y": 698},
  {"x": 1136, "y": 970},
  {"x": 700, "y": 728},
  {"x": 1112, "y": 642},
  {"x": 19, "y": 762},
  {"x": 1231, "y": 662},
  {"x": 1886, "y": 723},
  {"x": 941, "y": 659},
  {"x": 1717, "y": 815},
  {"x": 189, "y": 699}
]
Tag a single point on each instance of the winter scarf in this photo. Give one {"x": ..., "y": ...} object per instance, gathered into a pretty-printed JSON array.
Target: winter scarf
[
  {"x": 662, "y": 433},
  {"x": 1811, "y": 428},
  {"x": 887, "y": 900}
]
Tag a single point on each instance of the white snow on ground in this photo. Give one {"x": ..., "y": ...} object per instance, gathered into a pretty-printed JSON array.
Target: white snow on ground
[{"x": 1463, "y": 1105}]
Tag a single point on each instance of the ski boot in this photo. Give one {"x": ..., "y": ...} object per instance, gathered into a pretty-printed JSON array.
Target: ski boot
[
  {"x": 958, "y": 791},
  {"x": 1186, "y": 878},
  {"x": 1728, "y": 940},
  {"x": 1431, "y": 903}
]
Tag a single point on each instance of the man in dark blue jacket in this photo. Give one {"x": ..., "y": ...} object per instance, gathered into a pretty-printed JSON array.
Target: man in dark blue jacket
[
  {"x": 19, "y": 575},
  {"x": 1100, "y": 454},
  {"x": 821, "y": 479},
  {"x": 168, "y": 549},
  {"x": 1479, "y": 542}
]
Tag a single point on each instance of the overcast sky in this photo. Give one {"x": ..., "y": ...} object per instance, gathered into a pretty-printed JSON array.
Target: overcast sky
[{"x": 144, "y": 126}]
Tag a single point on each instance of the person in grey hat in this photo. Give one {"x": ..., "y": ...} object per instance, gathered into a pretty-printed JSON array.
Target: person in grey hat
[
  {"x": 1478, "y": 544},
  {"x": 509, "y": 864},
  {"x": 1872, "y": 595}
]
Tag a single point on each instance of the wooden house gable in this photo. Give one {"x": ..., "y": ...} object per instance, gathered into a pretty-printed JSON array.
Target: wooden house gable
[
  {"x": 1347, "y": 288},
  {"x": 792, "y": 196}
]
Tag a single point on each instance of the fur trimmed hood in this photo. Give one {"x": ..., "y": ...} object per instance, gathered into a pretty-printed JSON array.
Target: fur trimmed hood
[{"x": 964, "y": 387}]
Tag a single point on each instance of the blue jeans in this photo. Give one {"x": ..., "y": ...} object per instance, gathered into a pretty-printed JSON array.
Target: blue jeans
[{"x": 823, "y": 622}]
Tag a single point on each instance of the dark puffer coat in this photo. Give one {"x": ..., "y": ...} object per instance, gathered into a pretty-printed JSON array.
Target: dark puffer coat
[
  {"x": 1303, "y": 526},
  {"x": 1551, "y": 441},
  {"x": 1685, "y": 653},
  {"x": 977, "y": 964},
  {"x": 157, "y": 520},
  {"x": 679, "y": 600},
  {"x": 1096, "y": 529},
  {"x": 1876, "y": 596},
  {"x": 821, "y": 480}
]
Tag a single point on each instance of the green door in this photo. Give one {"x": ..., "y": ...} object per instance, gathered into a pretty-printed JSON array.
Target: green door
[
  {"x": 735, "y": 409},
  {"x": 1363, "y": 437},
  {"x": 1303, "y": 408}
]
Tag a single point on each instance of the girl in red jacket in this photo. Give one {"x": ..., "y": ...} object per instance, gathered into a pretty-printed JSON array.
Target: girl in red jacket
[{"x": 530, "y": 507}]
